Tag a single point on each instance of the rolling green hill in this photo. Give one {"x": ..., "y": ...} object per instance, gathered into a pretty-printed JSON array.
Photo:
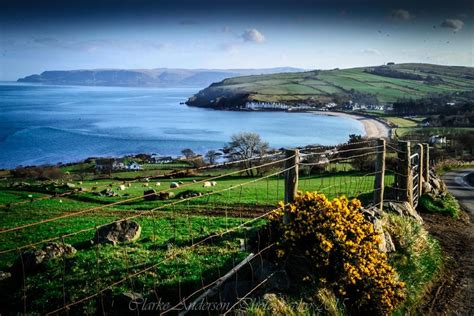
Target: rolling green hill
[{"x": 378, "y": 84}]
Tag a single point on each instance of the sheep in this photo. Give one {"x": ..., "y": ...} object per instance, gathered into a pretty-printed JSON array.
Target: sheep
[
  {"x": 145, "y": 184},
  {"x": 158, "y": 184},
  {"x": 121, "y": 187},
  {"x": 213, "y": 183},
  {"x": 207, "y": 184},
  {"x": 129, "y": 185}
]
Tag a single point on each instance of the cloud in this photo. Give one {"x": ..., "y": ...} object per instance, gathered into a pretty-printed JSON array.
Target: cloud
[
  {"x": 402, "y": 15},
  {"x": 371, "y": 51},
  {"x": 453, "y": 24},
  {"x": 253, "y": 35}
]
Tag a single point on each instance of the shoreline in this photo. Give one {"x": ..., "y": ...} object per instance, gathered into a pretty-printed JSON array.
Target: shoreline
[{"x": 373, "y": 128}]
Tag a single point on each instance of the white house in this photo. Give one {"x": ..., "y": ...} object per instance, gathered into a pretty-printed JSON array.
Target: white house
[
  {"x": 437, "y": 139},
  {"x": 133, "y": 165}
]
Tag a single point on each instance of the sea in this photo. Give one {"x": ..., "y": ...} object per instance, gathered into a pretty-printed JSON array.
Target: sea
[{"x": 46, "y": 124}]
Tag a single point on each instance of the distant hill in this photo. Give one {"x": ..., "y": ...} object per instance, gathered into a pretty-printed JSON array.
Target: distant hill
[
  {"x": 160, "y": 77},
  {"x": 369, "y": 85}
]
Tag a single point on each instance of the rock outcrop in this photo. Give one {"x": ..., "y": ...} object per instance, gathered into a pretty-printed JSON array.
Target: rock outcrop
[
  {"x": 118, "y": 232},
  {"x": 31, "y": 261}
]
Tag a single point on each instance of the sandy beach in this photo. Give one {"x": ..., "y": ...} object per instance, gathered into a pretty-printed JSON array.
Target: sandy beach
[{"x": 373, "y": 128}]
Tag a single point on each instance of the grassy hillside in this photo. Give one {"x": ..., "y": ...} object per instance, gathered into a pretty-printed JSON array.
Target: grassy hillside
[{"x": 383, "y": 84}]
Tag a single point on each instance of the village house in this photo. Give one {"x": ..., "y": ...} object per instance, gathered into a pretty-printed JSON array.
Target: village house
[
  {"x": 109, "y": 164},
  {"x": 161, "y": 159},
  {"x": 437, "y": 139},
  {"x": 133, "y": 165}
]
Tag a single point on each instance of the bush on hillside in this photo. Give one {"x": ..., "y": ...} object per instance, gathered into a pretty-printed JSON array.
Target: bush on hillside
[{"x": 343, "y": 250}]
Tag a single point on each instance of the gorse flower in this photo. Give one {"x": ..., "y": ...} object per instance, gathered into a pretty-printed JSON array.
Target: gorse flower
[{"x": 343, "y": 247}]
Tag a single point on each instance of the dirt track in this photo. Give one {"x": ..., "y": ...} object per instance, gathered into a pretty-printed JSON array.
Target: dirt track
[{"x": 453, "y": 294}]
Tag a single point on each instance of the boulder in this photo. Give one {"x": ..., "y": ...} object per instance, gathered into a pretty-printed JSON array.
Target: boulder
[
  {"x": 108, "y": 192},
  {"x": 403, "y": 209},
  {"x": 165, "y": 195},
  {"x": 31, "y": 260},
  {"x": 150, "y": 195},
  {"x": 376, "y": 216},
  {"x": 118, "y": 232},
  {"x": 426, "y": 188},
  {"x": 174, "y": 185},
  {"x": 187, "y": 194},
  {"x": 386, "y": 244}
]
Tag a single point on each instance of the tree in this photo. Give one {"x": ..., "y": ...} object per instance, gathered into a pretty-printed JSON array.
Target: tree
[
  {"x": 212, "y": 156},
  {"x": 188, "y": 153},
  {"x": 244, "y": 146}
]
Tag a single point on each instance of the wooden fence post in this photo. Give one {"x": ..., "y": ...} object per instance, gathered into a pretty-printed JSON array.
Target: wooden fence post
[
  {"x": 420, "y": 168},
  {"x": 291, "y": 179},
  {"x": 426, "y": 164},
  {"x": 404, "y": 178},
  {"x": 380, "y": 173}
]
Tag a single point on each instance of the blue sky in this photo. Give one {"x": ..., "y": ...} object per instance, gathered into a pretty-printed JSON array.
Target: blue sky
[{"x": 53, "y": 35}]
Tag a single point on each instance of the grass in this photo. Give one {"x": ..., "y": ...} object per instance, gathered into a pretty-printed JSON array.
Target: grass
[
  {"x": 168, "y": 232},
  {"x": 447, "y": 205},
  {"x": 165, "y": 241},
  {"x": 320, "y": 85},
  {"x": 418, "y": 259}
]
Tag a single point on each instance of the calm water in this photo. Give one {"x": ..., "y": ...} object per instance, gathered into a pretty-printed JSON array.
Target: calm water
[{"x": 51, "y": 124}]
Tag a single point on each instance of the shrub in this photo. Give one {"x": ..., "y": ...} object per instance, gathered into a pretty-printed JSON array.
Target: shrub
[
  {"x": 444, "y": 205},
  {"x": 343, "y": 250}
]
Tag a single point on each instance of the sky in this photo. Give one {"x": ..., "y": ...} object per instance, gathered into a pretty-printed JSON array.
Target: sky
[{"x": 312, "y": 34}]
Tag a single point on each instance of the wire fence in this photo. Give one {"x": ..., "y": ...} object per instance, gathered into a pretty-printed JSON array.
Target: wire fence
[{"x": 193, "y": 247}]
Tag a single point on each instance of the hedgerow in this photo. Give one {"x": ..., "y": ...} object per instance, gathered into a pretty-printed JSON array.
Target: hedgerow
[{"x": 343, "y": 250}]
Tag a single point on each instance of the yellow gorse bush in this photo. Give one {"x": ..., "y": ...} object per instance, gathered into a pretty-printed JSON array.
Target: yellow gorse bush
[{"x": 343, "y": 247}]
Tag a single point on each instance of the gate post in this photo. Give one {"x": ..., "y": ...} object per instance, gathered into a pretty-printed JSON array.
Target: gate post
[
  {"x": 404, "y": 178},
  {"x": 291, "y": 179},
  {"x": 420, "y": 168},
  {"x": 379, "y": 173},
  {"x": 426, "y": 163}
]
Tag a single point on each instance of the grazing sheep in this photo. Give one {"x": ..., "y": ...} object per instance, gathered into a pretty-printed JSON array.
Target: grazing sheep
[
  {"x": 174, "y": 185},
  {"x": 158, "y": 184},
  {"x": 80, "y": 182},
  {"x": 121, "y": 187},
  {"x": 145, "y": 184},
  {"x": 213, "y": 183},
  {"x": 207, "y": 184},
  {"x": 129, "y": 185}
]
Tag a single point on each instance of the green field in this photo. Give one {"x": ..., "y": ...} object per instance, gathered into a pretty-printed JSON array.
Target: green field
[
  {"x": 323, "y": 85},
  {"x": 168, "y": 233}
]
